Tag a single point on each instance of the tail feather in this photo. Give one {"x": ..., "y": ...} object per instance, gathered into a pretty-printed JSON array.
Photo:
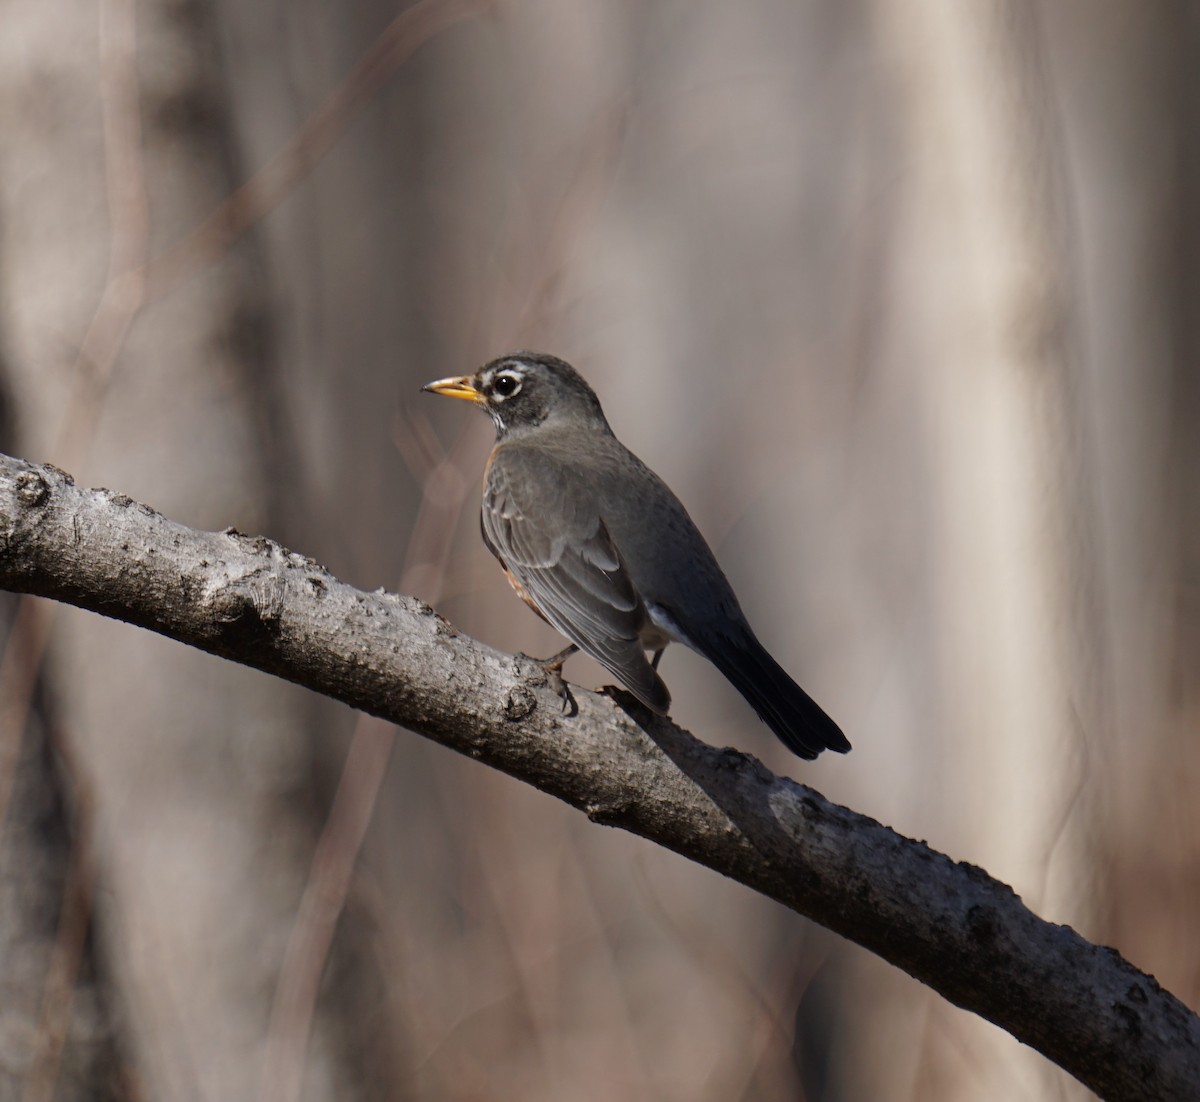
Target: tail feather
[{"x": 798, "y": 720}]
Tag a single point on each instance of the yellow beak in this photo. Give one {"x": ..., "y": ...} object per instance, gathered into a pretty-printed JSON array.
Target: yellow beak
[{"x": 458, "y": 387}]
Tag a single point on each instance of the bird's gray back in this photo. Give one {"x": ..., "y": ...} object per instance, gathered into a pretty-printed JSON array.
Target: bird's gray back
[{"x": 668, "y": 559}]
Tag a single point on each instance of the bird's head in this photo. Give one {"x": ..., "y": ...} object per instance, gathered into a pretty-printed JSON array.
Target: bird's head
[{"x": 524, "y": 390}]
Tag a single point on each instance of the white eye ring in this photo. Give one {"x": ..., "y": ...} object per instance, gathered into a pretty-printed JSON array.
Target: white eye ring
[{"x": 505, "y": 384}]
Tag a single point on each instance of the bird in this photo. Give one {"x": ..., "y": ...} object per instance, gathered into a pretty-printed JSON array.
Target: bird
[{"x": 599, "y": 547}]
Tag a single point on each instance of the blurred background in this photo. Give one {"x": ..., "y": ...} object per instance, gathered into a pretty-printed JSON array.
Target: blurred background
[{"x": 903, "y": 300}]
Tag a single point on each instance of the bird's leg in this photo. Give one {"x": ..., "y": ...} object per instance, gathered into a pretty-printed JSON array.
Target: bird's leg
[
  {"x": 657, "y": 655},
  {"x": 553, "y": 667},
  {"x": 556, "y": 661}
]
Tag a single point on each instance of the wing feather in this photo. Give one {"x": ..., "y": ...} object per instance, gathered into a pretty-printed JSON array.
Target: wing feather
[{"x": 542, "y": 521}]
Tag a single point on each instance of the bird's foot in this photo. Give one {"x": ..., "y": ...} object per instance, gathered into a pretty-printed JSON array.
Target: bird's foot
[
  {"x": 553, "y": 668},
  {"x": 554, "y": 672}
]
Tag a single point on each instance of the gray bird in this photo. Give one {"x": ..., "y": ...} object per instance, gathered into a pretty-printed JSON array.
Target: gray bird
[{"x": 599, "y": 547}]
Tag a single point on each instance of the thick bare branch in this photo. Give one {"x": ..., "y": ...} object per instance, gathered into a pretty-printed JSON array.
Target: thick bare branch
[{"x": 950, "y": 925}]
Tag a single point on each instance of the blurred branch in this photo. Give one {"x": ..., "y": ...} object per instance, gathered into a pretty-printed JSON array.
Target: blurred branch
[
  {"x": 294, "y": 1006},
  {"x": 70, "y": 946},
  {"x": 949, "y": 925}
]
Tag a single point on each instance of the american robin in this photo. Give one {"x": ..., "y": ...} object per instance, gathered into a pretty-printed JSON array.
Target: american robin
[{"x": 595, "y": 543}]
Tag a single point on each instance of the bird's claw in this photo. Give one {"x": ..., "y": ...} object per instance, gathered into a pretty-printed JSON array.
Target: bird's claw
[{"x": 558, "y": 684}]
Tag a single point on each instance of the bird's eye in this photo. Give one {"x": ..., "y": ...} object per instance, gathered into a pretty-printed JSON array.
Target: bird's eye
[{"x": 506, "y": 384}]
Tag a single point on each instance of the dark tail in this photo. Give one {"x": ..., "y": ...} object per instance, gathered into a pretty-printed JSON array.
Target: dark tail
[{"x": 781, "y": 704}]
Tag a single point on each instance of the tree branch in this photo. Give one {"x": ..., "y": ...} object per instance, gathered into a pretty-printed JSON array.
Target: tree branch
[{"x": 949, "y": 925}]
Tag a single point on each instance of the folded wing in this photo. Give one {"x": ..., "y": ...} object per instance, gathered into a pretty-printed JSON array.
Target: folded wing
[{"x": 543, "y": 524}]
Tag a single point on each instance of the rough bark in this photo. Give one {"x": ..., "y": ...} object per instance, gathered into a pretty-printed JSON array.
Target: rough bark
[{"x": 950, "y": 925}]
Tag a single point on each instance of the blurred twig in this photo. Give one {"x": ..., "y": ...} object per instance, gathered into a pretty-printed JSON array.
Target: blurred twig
[
  {"x": 23, "y": 652},
  {"x": 320, "y": 908},
  {"x": 272, "y": 183},
  {"x": 578, "y": 208},
  {"x": 717, "y": 961},
  {"x": 70, "y": 944},
  {"x": 129, "y": 229},
  {"x": 444, "y": 495}
]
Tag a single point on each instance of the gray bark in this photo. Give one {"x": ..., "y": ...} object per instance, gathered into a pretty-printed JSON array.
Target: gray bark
[{"x": 948, "y": 924}]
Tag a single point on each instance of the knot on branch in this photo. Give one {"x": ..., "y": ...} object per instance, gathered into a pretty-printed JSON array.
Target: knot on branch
[
  {"x": 249, "y": 605},
  {"x": 521, "y": 702},
  {"x": 32, "y": 489}
]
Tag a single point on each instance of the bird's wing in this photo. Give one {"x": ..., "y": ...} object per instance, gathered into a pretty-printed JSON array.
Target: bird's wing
[{"x": 542, "y": 522}]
